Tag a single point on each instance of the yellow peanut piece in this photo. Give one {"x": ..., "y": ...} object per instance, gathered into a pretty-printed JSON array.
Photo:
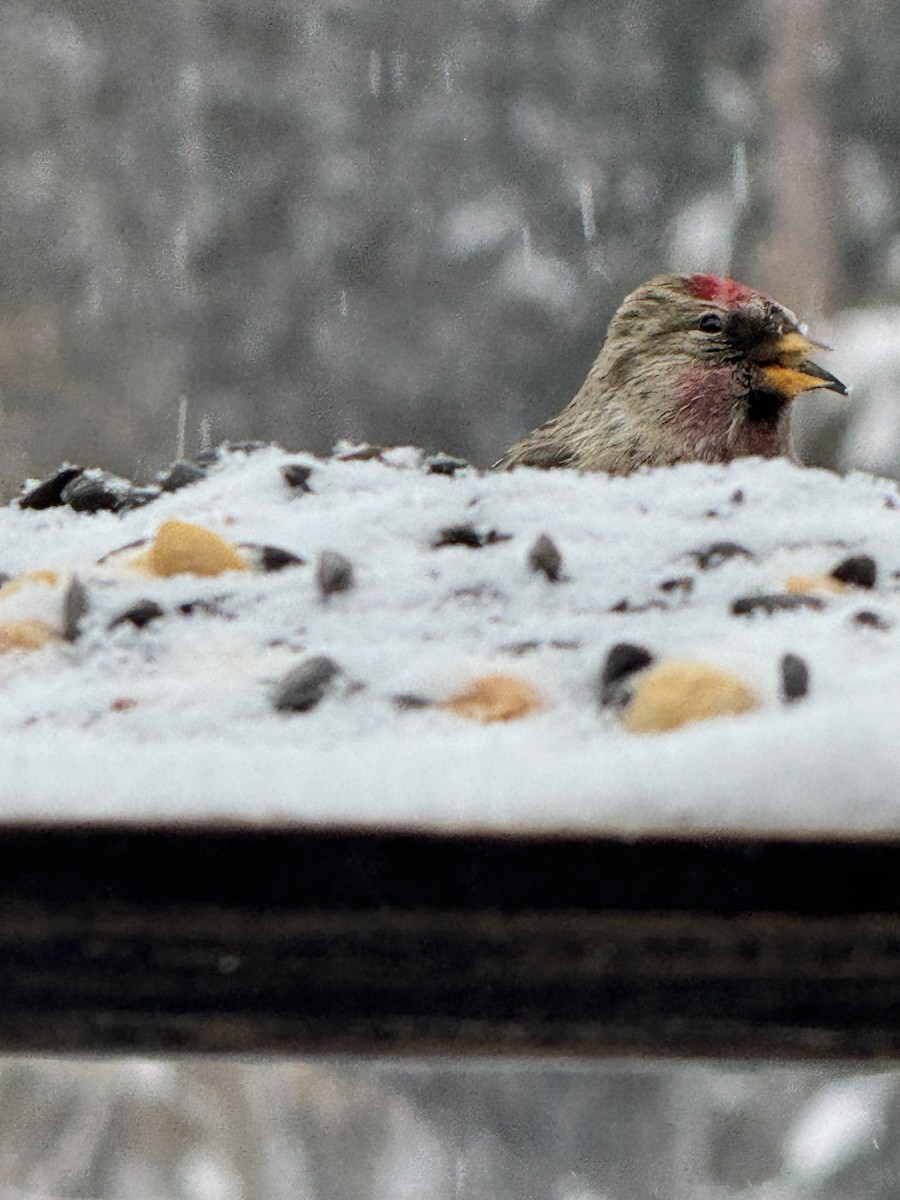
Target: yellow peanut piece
[
  {"x": 181, "y": 548},
  {"x": 815, "y": 585},
  {"x": 27, "y": 634},
  {"x": 678, "y": 693},
  {"x": 20, "y": 581},
  {"x": 496, "y": 698}
]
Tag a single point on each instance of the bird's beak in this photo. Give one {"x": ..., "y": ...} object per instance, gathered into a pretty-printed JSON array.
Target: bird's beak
[{"x": 786, "y": 370}]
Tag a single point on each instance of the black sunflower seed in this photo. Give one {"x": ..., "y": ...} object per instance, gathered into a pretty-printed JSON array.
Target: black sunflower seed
[
  {"x": 75, "y": 607},
  {"x": 717, "y": 553},
  {"x": 860, "y": 570},
  {"x": 210, "y": 606},
  {"x": 180, "y": 474},
  {"x": 544, "y": 557},
  {"x": 794, "y": 678},
  {"x": 873, "y": 620},
  {"x": 408, "y": 701},
  {"x": 681, "y": 583},
  {"x": 745, "y": 606},
  {"x": 445, "y": 464},
  {"x": 296, "y": 475},
  {"x": 139, "y": 614},
  {"x": 98, "y": 491},
  {"x": 520, "y": 648},
  {"x": 306, "y": 684},
  {"x": 334, "y": 573},
  {"x": 623, "y": 659},
  {"x": 48, "y": 493},
  {"x": 274, "y": 558},
  {"x": 468, "y": 535},
  {"x": 459, "y": 535}
]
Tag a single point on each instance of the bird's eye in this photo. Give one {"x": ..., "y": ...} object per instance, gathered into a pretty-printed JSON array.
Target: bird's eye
[{"x": 711, "y": 322}]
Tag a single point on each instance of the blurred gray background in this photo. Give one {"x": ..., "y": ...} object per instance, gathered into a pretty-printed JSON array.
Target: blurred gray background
[{"x": 405, "y": 221}]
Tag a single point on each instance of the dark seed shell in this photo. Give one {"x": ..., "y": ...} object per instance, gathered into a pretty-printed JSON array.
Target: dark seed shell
[
  {"x": 179, "y": 475},
  {"x": 98, "y": 491},
  {"x": 633, "y": 606},
  {"x": 211, "y": 607},
  {"x": 296, "y": 475},
  {"x": 682, "y": 583},
  {"x": 544, "y": 557},
  {"x": 75, "y": 607},
  {"x": 860, "y": 571},
  {"x": 623, "y": 659},
  {"x": 519, "y": 648},
  {"x": 135, "y": 497},
  {"x": 873, "y": 620},
  {"x": 407, "y": 701},
  {"x": 459, "y": 535},
  {"x": 719, "y": 552},
  {"x": 306, "y": 684},
  {"x": 111, "y": 554},
  {"x": 445, "y": 464},
  {"x": 334, "y": 573},
  {"x": 794, "y": 678},
  {"x": 747, "y": 605},
  {"x": 468, "y": 535},
  {"x": 139, "y": 614},
  {"x": 48, "y": 493},
  {"x": 273, "y": 558}
]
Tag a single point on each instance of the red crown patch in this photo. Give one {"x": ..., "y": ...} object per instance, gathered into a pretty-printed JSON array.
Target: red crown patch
[{"x": 717, "y": 290}]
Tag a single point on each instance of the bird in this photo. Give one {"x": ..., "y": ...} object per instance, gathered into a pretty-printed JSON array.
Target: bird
[{"x": 694, "y": 368}]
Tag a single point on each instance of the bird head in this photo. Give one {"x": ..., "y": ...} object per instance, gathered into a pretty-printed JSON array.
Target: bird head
[
  {"x": 712, "y": 321},
  {"x": 711, "y": 361},
  {"x": 694, "y": 367}
]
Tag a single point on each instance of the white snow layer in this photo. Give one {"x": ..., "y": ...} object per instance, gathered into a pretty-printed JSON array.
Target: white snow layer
[{"x": 176, "y": 720}]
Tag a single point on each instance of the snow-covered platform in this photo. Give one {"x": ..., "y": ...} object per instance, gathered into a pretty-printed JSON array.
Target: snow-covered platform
[
  {"x": 175, "y": 715},
  {"x": 327, "y": 755}
]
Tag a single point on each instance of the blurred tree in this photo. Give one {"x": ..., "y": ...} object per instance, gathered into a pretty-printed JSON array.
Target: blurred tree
[
  {"x": 798, "y": 258},
  {"x": 403, "y": 222}
]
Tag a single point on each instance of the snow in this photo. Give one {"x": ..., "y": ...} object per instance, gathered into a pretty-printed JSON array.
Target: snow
[
  {"x": 842, "y": 1121},
  {"x": 176, "y": 720}
]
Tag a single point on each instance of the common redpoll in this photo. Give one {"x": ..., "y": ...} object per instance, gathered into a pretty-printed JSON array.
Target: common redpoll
[{"x": 694, "y": 367}]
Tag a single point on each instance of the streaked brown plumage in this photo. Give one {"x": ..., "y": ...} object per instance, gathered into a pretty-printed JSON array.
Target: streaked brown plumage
[{"x": 694, "y": 367}]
